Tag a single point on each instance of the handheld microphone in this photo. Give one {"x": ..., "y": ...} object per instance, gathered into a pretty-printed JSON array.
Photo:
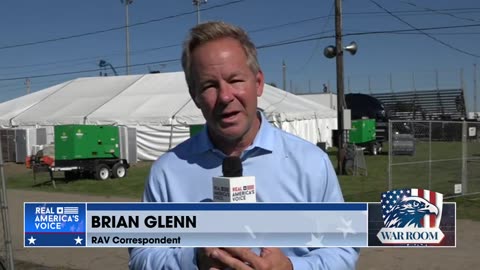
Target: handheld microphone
[{"x": 232, "y": 186}]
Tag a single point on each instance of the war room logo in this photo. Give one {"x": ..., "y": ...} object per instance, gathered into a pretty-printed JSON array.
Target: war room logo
[{"x": 411, "y": 216}]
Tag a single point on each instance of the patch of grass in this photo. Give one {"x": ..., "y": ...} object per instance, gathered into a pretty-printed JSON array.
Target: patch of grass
[
  {"x": 355, "y": 188},
  {"x": 468, "y": 207},
  {"x": 444, "y": 176},
  {"x": 131, "y": 186}
]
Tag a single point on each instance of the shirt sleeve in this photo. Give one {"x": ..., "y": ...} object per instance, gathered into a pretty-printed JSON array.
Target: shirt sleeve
[
  {"x": 327, "y": 258},
  {"x": 160, "y": 258}
]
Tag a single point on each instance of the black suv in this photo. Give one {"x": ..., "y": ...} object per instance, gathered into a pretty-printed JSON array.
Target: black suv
[{"x": 362, "y": 105}]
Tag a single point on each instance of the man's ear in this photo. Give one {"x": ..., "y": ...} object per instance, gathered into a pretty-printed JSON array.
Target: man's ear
[{"x": 260, "y": 82}]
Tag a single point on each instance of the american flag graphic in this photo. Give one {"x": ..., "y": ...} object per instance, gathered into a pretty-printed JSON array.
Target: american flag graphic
[
  {"x": 391, "y": 199},
  {"x": 69, "y": 210}
]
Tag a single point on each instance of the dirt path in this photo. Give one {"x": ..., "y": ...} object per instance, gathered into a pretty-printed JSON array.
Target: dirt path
[
  {"x": 79, "y": 258},
  {"x": 465, "y": 256}
]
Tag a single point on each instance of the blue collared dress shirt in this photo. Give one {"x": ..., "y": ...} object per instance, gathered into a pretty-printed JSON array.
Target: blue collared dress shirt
[{"x": 286, "y": 168}]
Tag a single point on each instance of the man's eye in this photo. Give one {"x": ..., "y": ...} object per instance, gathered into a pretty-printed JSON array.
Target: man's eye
[{"x": 206, "y": 87}]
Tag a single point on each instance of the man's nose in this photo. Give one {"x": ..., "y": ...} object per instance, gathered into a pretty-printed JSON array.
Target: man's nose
[{"x": 226, "y": 93}]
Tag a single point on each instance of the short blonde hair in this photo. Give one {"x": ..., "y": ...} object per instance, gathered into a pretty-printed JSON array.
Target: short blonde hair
[{"x": 211, "y": 31}]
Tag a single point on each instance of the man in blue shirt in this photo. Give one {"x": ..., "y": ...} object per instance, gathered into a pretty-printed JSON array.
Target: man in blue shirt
[{"x": 225, "y": 80}]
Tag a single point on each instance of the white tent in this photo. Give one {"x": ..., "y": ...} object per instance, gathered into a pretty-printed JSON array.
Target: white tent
[
  {"x": 157, "y": 105},
  {"x": 12, "y": 108}
]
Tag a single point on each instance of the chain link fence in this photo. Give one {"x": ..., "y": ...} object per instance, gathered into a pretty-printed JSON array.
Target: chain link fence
[{"x": 442, "y": 156}]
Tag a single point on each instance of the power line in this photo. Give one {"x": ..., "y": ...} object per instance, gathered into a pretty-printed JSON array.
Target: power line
[
  {"x": 86, "y": 60},
  {"x": 317, "y": 45},
  {"x": 305, "y": 38},
  {"x": 425, "y": 33},
  {"x": 415, "y": 12},
  {"x": 116, "y": 28},
  {"x": 442, "y": 34},
  {"x": 411, "y": 30},
  {"x": 158, "y": 48},
  {"x": 85, "y": 71},
  {"x": 312, "y": 36},
  {"x": 440, "y": 12},
  {"x": 83, "y": 61},
  {"x": 411, "y": 12},
  {"x": 36, "y": 84},
  {"x": 288, "y": 24}
]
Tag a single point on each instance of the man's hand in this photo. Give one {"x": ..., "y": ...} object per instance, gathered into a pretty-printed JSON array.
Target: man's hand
[
  {"x": 205, "y": 260},
  {"x": 245, "y": 259},
  {"x": 277, "y": 258}
]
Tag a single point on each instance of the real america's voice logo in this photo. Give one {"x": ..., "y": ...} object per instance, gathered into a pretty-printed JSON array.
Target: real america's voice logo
[{"x": 411, "y": 216}]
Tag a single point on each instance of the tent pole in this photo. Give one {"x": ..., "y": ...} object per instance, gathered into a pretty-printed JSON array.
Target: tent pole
[{"x": 171, "y": 133}]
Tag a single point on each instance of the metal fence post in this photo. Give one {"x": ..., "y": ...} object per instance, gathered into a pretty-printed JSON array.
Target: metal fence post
[
  {"x": 464, "y": 159},
  {"x": 390, "y": 154},
  {"x": 430, "y": 155},
  {"x": 5, "y": 217}
]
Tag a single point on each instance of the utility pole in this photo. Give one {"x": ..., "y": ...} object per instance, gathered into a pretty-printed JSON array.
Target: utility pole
[
  {"x": 27, "y": 83},
  {"x": 475, "y": 111},
  {"x": 284, "y": 69},
  {"x": 337, "y": 51},
  {"x": 197, "y": 3},
  {"x": 340, "y": 86},
  {"x": 127, "y": 36}
]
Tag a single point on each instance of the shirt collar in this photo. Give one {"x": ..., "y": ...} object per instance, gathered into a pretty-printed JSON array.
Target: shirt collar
[{"x": 264, "y": 138}]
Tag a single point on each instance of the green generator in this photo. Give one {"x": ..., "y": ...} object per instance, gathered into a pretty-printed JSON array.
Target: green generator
[
  {"x": 89, "y": 149},
  {"x": 362, "y": 131},
  {"x": 86, "y": 142}
]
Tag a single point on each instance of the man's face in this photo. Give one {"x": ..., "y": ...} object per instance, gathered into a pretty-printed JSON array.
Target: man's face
[{"x": 225, "y": 88}]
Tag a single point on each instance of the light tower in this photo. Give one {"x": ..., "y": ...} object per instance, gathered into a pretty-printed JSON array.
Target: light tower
[
  {"x": 127, "y": 36},
  {"x": 197, "y": 3}
]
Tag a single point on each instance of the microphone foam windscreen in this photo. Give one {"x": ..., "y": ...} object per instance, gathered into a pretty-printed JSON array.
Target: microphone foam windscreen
[{"x": 232, "y": 167}]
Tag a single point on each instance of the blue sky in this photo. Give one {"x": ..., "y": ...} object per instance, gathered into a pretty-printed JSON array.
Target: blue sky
[{"x": 162, "y": 26}]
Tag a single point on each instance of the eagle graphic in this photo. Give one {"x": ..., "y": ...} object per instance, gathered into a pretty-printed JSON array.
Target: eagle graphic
[{"x": 409, "y": 212}]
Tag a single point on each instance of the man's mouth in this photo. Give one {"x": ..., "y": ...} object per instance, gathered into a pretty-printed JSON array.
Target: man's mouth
[{"x": 228, "y": 116}]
